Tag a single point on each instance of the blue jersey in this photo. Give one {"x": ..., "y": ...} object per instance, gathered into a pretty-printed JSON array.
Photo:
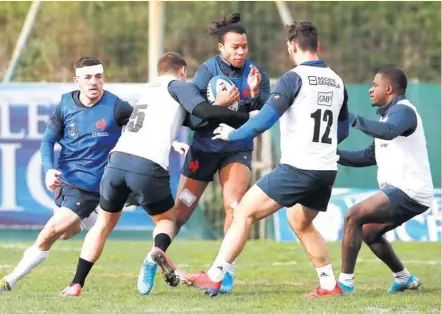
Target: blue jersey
[
  {"x": 86, "y": 136},
  {"x": 218, "y": 66}
]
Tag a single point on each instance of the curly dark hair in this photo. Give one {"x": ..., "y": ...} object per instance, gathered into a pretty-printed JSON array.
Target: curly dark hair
[{"x": 229, "y": 24}]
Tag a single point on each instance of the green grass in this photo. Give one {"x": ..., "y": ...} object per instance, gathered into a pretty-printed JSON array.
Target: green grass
[{"x": 272, "y": 277}]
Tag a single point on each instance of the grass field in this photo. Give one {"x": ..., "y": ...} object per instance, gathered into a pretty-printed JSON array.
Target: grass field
[{"x": 272, "y": 277}]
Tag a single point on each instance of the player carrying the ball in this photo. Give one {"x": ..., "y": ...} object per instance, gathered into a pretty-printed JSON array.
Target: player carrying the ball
[{"x": 232, "y": 160}]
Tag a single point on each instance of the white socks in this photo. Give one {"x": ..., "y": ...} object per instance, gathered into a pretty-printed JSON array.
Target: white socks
[
  {"x": 32, "y": 257},
  {"x": 231, "y": 268},
  {"x": 326, "y": 277},
  {"x": 402, "y": 276},
  {"x": 347, "y": 279},
  {"x": 218, "y": 270}
]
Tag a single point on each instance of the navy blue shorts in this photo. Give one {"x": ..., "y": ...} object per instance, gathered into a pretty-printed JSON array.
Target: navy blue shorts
[
  {"x": 202, "y": 166},
  {"x": 81, "y": 202},
  {"x": 404, "y": 207},
  {"x": 147, "y": 181},
  {"x": 288, "y": 186}
]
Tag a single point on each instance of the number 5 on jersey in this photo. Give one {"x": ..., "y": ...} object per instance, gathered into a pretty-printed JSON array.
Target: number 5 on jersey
[{"x": 136, "y": 120}]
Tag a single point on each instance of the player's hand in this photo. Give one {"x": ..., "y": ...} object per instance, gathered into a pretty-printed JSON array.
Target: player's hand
[
  {"x": 222, "y": 132},
  {"x": 52, "y": 179},
  {"x": 253, "y": 114},
  {"x": 180, "y": 147},
  {"x": 254, "y": 79},
  {"x": 226, "y": 97}
]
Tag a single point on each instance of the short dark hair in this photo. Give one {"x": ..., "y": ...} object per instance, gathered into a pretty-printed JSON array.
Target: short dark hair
[
  {"x": 86, "y": 61},
  {"x": 229, "y": 24},
  {"x": 397, "y": 78},
  {"x": 305, "y": 34},
  {"x": 170, "y": 62}
]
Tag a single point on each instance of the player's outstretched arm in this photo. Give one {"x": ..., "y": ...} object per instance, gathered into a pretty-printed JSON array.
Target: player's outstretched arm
[
  {"x": 281, "y": 98},
  {"x": 401, "y": 120},
  {"x": 359, "y": 158}
]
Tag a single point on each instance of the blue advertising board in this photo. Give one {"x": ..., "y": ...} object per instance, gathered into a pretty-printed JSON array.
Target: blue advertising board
[{"x": 24, "y": 111}]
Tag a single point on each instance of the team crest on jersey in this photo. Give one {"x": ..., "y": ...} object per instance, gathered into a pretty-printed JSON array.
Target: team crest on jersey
[
  {"x": 72, "y": 130},
  {"x": 100, "y": 124}
]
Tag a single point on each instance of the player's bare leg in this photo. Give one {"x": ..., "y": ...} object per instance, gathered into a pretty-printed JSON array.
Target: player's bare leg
[
  {"x": 234, "y": 179},
  {"x": 72, "y": 231},
  {"x": 255, "y": 205},
  {"x": 374, "y": 210},
  {"x": 56, "y": 226},
  {"x": 91, "y": 251},
  {"x": 301, "y": 220},
  {"x": 373, "y": 235},
  {"x": 188, "y": 195}
]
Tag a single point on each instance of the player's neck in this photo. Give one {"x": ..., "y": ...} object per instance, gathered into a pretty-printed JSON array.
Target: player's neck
[
  {"x": 390, "y": 99},
  {"x": 307, "y": 56},
  {"x": 86, "y": 101}
]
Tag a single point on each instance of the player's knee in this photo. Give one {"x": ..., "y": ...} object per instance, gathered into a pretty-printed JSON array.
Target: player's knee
[
  {"x": 371, "y": 235},
  {"x": 51, "y": 232},
  {"x": 244, "y": 216},
  {"x": 369, "y": 238},
  {"x": 301, "y": 226},
  {"x": 353, "y": 215},
  {"x": 67, "y": 236}
]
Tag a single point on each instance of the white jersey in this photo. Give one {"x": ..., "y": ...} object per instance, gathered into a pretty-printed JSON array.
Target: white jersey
[
  {"x": 403, "y": 162},
  {"x": 154, "y": 124},
  {"x": 309, "y": 126}
]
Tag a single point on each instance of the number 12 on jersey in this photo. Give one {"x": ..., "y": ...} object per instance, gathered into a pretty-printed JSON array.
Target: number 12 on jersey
[{"x": 320, "y": 116}]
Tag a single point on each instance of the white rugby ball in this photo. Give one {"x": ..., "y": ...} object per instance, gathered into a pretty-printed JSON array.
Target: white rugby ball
[{"x": 216, "y": 84}]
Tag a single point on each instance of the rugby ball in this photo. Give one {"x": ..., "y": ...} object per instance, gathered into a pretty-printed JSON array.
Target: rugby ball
[{"x": 216, "y": 84}]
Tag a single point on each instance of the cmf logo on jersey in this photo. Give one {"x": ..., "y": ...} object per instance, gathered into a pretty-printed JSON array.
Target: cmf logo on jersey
[{"x": 325, "y": 99}]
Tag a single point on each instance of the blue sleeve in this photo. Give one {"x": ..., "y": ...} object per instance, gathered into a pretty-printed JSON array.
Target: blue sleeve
[
  {"x": 285, "y": 91},
  {"x": 401, "y": 120},
  {"x": 256, "y": 103},
  {"x": 343, "y": 125},
  {"x": 53, "y": 133},
  {"x": 266, "y": 118},
  {"x": 187, "y": 94},
  {"x": 202, "y": 78},
  {"x": 283, "y": 94},
  {"x": 123, "y": 111},
  {"x": 359, "y": 158}
]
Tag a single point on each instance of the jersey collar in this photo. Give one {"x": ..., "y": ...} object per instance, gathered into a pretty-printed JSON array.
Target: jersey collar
[{"x": 383, "y": 110}]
